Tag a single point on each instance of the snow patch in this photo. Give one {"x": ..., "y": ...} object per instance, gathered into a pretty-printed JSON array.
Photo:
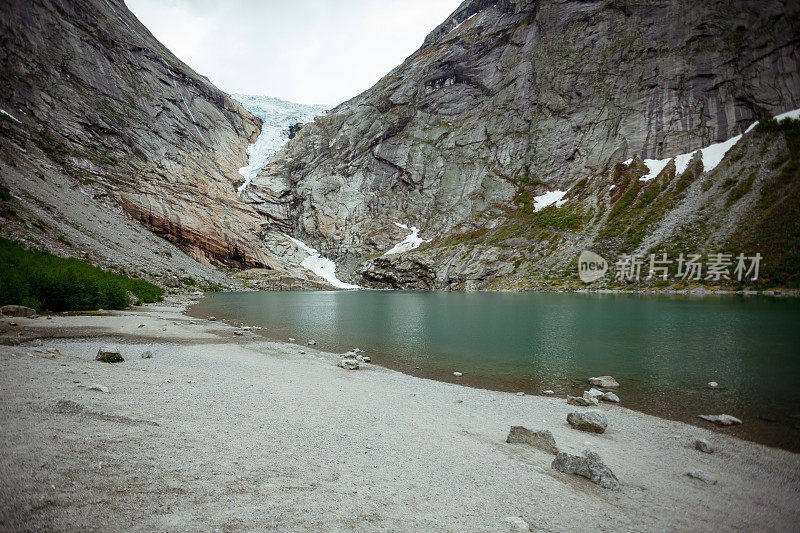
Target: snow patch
[
  {"x": 548, "y": 199},
  {"x": 277, "y": 116},
  {"x": 9, "y": 115},
  {"x": 412, "y": 240},
  {"x": 462, "y": 22},
  {"x": 321, "y": 266},
  {"x": 712, "y": 154}
]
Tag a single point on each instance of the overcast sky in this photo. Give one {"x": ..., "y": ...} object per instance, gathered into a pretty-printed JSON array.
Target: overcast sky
[{"x": 305, "y": 51}]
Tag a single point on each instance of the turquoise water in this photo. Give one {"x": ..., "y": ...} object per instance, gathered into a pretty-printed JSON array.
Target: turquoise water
[{"x": 662, "y": 349}]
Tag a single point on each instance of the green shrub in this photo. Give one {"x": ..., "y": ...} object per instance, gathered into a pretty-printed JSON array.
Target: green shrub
[{"x": 44, "y": 281}]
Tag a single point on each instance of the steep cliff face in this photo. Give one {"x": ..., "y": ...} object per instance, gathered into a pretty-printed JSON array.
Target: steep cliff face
[
  {"x": 510, "y": 100},
  {"x": 98, "y": 116}
]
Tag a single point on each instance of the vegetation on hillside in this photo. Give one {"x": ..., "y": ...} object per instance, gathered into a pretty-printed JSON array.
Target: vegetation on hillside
[{"x": 45, "y": 281}]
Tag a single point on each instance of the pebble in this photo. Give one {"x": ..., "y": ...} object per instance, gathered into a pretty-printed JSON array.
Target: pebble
[
  {"x": 312, "y": 342},
  {"x": 721, "y": 420},
  {"x": 99, "y": 388},
  {"x": 147, "y": 355},
  {"x": 302, "y": 352},
  {"x": 548, "y": 392},
  {"x": 713, "y": 384},
  {"x": 291, "y": 339},
  {"x": 703, "y": 445},
  {"x": 520, "y": 394},
  {"x": 702, "y": 476},
  {"x": 457, "y": 374}
]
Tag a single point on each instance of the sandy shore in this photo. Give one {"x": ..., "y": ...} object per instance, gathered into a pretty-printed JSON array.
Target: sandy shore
[{"x": 236, "y": 433}]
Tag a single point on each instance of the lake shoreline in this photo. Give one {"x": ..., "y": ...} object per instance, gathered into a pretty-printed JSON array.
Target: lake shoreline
[{"x": 246, "y": 433}]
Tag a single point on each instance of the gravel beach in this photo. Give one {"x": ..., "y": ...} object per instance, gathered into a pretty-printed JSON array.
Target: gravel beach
[{"x": 224, "y": 432}]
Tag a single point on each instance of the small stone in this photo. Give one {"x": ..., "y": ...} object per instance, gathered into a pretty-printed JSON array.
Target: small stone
[
  {"x": 520, "y": 394},
  {"x": 212, "y": 318},
  {"x": 312, "y": 342},
  {"x": 240, "y": 333},
  {"x": 588, "y": 465},
  {"x": 593, "y": 420},
  {"x": 713, "y": 384},
  {"x": 99, "y": 388},
  {"x": 702, "y": 476},
  {"x": 517, "y": 524},
  {"x": 107, "y": 354},
  {"x": 367, "y": 359},
  {"x": 302, "y": 352},
  {"x": 593, "y": 393},
  {"x": 140, "y": 326},
  {"x": 703, "y": 445},
  {"x": 457, "y": 374},
  {"x": 610, "y": 397},
  {"x": 348, "y": 364},
  {"x": 721, "y": 420},
  {"x": 581, "y": 401},
  {"x": 538, "y": 438},
  {"x": 147, "y": 355},
  {"x": 548, "y": 392},
  {"x": 291, "y": 339}
]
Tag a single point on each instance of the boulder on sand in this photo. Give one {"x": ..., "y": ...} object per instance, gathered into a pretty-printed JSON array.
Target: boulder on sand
[
  {"x": 348, "y": 364},
  {"x": 610, "y": 397},
  {"x": 588, "y": 465},
  {"x": 108, "y": 354},
  {"x": 593, "y": 420},
  {"x": 538, "y": 438},
  {"x": 703, "y": 445}
]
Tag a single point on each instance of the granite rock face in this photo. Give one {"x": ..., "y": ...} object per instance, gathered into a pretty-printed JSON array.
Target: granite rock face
[
  {"x": 104, "y": 128},
  {"x": 509, "y": 100}
]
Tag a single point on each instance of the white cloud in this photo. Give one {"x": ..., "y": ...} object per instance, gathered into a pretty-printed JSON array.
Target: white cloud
[{"x": 306, "y": 51}]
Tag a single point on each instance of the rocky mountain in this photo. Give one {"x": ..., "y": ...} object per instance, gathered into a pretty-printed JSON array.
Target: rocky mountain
[
  {"x": 105, "y": 132},
  {"x": 519, "y": 134}
]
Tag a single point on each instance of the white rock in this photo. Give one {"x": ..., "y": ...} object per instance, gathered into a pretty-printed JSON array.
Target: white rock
[
  {"x": 548, "y": 392},
  {"x": 594, "y": 393},
  {"x": 212, "y": 318},
  {"x": 291, "y": 339},
  {"x": 610, "y": 397},
  {"x": 349, "y": 364},
  {"x": 713, "y": 384},
  {"x": 702, "y": 476},
  {"x": 302, "y": 352},
  {"x": 520, "y": 394},
  {"x": 240, "y": 333},
  {"x": 457, "y": 374},
  {"x": 312, "y": 342},
  {"x": 721, "y": 420},
  {"x": 366, "y": 358},
  {"x": 516, "y": 524}
]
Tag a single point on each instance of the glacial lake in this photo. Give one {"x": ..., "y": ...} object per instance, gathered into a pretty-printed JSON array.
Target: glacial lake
[{"x": 663, "y": 349}]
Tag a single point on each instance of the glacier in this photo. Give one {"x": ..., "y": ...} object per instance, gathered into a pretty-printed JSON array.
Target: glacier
[{"x": 277, "y": 117}]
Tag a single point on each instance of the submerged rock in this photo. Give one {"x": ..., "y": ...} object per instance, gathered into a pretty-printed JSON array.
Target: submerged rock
[
  {"x": 588, "y": 465},
  {"x": 703, "y": 445},
  {"x": 721, "y": 420},
  {"x": 605, "y": 382},
  {"x": 457, "y": 374},
  {"x": 538, "y": 438},
  {"x": 548, "y": 392},
  {"x": 108, "y": 354},
  {"x": 593, "y": 420}
]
